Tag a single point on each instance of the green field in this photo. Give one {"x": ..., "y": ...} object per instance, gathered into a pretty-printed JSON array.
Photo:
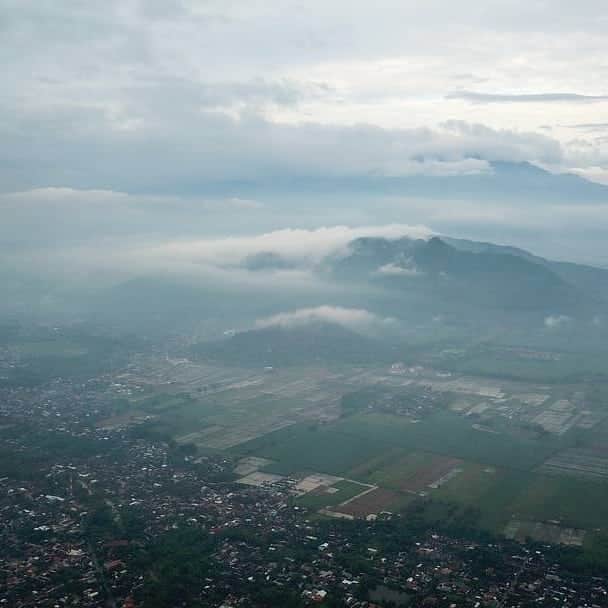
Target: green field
[
  {"x": 506, "y": 494},
  {"x": 177, "y": 414},
  {"x": 450, "y": 435},
  {"x": 302, "y": 448},
  {"x": 352, "y": 444},
  {"x": 321, "y": 498},
  {"x": 60, "y": 347},
  {"x": 500, "y": 364},
  {"x": 470, "y": 487},
  {"x": 497, "y": 470},
  {"x": 373, "y": 434},
  {"x": 44, "y": 355}
]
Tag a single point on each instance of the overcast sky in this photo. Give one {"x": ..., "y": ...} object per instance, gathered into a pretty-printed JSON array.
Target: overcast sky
[{"x": 147, "y": 102}]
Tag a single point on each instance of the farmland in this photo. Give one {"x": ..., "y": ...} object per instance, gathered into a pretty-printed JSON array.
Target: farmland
[
  {"x": 329, "y": 496},
  {"x": 509, "y": 451},
  {"x": 501, "y": 495},
  {"x": 375, "y": 502},
  {"x": 414, "y": 472},
  {"x": 450, "y": 435},
  {"x": 305, "y": 448},
  {"x": 591, "y": 463},
  {"x": 350, "y": 443}
]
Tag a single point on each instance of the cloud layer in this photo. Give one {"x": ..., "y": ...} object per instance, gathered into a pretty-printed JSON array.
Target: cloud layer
[
  {"x": 525, "y": 97},
  {"x": 179, "y": 94},
  {"x": 355, "y": 319},
  {"x": 134, "y": 130}
]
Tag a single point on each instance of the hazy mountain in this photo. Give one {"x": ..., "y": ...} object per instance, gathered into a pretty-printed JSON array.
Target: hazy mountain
[
  {"x": 479, "y": 275},
  {"x": 589, "y": 279},
  {"x": 503, "y": 181},
  {"x": 316, "y": 342}
]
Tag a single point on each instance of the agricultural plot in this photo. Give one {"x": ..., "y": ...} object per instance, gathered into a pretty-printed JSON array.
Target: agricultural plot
[
  {"x": 544, "y": 532},
  {"x": 372, "y": 470},
  {"x": 245, "y": 466},
  {"x": 470, "y": 485},
  {"x": 549, "y": 368},
  {"x": 448, "y": 434},
  {"x": 59, "y": 347},
  {"x": 328, "y": 496},
  {"x": 375, "y": 502},
  {"x": 477, "y": 455},
  {"x": 162, "y": 402},
  {"x": 415, "y": 472},
  {"x": 260, "y": 479},
  {"x": 504, "y": 495},
  {"x": 316, "y": 481},
  {"x": 237, "y": 411},
  {"x": 574, "y": 503},
  {"x": 181, "y": 419},
  {"x": 558, "y": 418},
  {"x": 310, "y": 448},
  {"x": 586, "y": 463},
  {"x": 396, "y": 453}
]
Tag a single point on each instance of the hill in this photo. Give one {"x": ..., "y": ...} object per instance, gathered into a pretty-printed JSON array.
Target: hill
[{"x": 316, "y": 342}]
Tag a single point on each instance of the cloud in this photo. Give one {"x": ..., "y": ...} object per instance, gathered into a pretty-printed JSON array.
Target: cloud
[
  {"x": 156, "y": 73},
  {"x": 476, "y": 97},
  {"x": 155, "y": 122},
  {"x": 164, "y": 148},
  {"x": 399, "y": 270},
  {"x": 355, "y": 319},
  {"x": 58, "y": 197},
  {"x": 212, "y": 261},
  {"x": 590, "y": 126},
  {"x": 595, "y": 174},
  {"x": 299, "y": 246},
  {"x": 56, "y": 218},
  {"x": 556, "y": 321}
]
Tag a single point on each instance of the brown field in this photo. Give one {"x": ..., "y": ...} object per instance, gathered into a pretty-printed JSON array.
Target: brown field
[
  {"x": 426, "y": 475},
  {"x": 372, "y": 503},
  {"x": 410, "y": 472}
]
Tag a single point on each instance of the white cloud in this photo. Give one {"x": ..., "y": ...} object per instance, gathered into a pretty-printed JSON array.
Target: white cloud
[
  {"x": 556, "y": 321},
  {"x": 594, "y": 174},
  {"x": 477, "y": 97},
  {"x": 398, "y": 270},
  {"x": 63, "y": 195},
  {"x": 66, "y": 197},
  {"x": 301, "y": 246},
  {"x": 355, "y": 319},
  {"x": 211, "y": 261}
]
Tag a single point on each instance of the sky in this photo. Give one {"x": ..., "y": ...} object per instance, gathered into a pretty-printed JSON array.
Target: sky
[{"x": 159, "y": 121}]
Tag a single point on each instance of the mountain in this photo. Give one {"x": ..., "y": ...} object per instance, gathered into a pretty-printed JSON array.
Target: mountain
[
  {"x": 476, "y": 276},
  {"x": 504, "y": 181},
  {"x": 588, "y": 279},
  {"x": 315, "y": 342}
]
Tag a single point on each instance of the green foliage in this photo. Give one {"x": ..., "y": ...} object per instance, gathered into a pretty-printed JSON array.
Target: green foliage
[{"x": 176, "y": 564}]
